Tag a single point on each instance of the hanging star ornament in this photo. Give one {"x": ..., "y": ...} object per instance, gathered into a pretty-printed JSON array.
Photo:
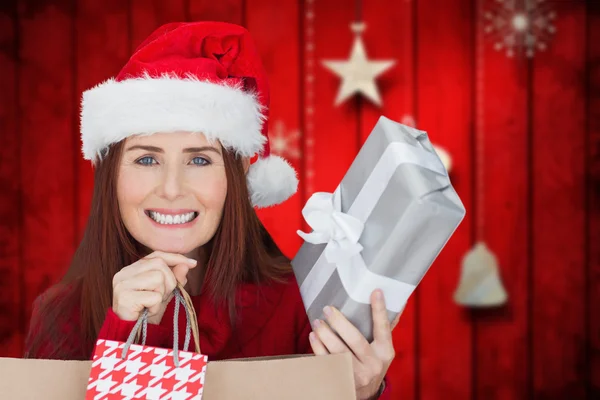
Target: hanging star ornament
[{"x": 358, "y": 73}]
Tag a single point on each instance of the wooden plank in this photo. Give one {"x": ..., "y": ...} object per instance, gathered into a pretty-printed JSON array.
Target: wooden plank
[
  {"x": 275, "y": 31},
  {"x": 102, "y": 50},
  {"x": 559, "y": 209},
  {"x": 222, "y": 10},
  {"x": 397, "y": 90},
  {"x": 11, "y": 319},
  {"x": 147, "y": 15},
  {"x": 501, "y": 346},
  {"x": 593, "y": 196},
  {"x": 445, "y": 110},
  {"x": 46, "y": 93}
]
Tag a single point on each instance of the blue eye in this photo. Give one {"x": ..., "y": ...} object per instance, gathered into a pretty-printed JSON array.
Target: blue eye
[
  {"x": 145, "y": 160},
  {"x": 200, "y": 161}
]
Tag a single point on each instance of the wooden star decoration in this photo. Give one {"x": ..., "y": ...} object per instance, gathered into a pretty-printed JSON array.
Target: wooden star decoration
[{"x": 358, "y": 73}]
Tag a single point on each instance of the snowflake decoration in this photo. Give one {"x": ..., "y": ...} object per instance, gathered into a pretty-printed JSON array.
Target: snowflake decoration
[
  {"x": 283, "y": 143},
  {"x": 520, "y": 25}
]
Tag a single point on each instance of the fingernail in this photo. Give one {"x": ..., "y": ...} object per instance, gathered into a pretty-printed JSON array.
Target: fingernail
[
  {"x": 311, "y": 336},
  {"x": 379, "y": 294},
  {"x": 192, "y": 261},
  {"x": 327, "y": 311},
  {"x": 317, "y": 323}
]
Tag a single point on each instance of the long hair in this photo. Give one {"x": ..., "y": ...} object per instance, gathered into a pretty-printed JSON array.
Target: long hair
[{"x": 67, "y": 318}]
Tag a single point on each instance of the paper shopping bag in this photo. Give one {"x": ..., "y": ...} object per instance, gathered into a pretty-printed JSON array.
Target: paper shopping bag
[
  {"x": 32, "y": 379},
  {"x": 311, "y": 377},
  {"x": 133, "y": 371},
  {"x": 327, "y": 377}
]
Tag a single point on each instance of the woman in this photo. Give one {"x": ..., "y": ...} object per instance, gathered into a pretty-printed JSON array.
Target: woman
[{"x": 173, "y": 139}]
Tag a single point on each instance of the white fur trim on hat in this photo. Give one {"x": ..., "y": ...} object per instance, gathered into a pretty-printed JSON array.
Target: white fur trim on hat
[
  {"x": 271, "y": 181},
  {"x": 114, "y": 110}
]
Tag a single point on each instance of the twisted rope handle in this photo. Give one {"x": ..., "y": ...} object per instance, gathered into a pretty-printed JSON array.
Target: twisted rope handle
[{"x": 191, "y": 326}]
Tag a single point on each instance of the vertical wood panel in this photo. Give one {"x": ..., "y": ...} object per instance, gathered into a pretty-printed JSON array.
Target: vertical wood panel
[
  {"x": 46, "y": 94},
  {"x": 275, "y": 31},
  {"x": 445, "y": 83},
  {"x": 502, "y": 147},
  {"x": 221, "y": 10},
  {"x": 102, "y": 50},
  {"x": 593, "y": 200},
  {"x": 147, "y": 15},
  {"x": 335, "y": 129},
  {"x": 389, "y": 35},
  {"x": 558, "y": 210},
  {"x": 11, "y": 320}
]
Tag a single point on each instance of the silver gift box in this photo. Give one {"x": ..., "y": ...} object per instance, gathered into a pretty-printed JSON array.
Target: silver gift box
[{"x": 383, "y": 227}]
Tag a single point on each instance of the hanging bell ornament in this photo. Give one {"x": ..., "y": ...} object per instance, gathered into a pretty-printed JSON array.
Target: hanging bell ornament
[
  {"x": 480, "y": 283},
  {"x": 444, "y": 157}
]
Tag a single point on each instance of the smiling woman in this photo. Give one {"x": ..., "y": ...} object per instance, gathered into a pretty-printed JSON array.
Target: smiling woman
[
  {"x": 171, "y": 190},
  {"x": 171, "y": 140}
]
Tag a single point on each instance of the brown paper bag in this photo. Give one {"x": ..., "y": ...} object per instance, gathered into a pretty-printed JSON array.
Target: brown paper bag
[
  {"x": 295, "y": 377},
  {"x": 291, "y": 378}
]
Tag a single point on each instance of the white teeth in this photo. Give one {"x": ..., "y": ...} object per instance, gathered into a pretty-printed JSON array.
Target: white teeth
[{"x": 172, "y": 219}]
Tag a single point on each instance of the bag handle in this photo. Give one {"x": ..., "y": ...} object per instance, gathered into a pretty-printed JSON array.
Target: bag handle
[{"x": 191, "y": 326}]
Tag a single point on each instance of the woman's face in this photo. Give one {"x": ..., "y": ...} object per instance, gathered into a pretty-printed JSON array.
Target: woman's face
[{"x": 171, "y": 190}]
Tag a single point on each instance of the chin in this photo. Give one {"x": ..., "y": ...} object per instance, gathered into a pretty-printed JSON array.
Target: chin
[{"x": 171, "y": 247}]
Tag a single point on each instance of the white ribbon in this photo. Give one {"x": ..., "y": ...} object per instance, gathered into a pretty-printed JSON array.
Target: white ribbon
[
  {"x": 341, "y": 231},
  {"x": 323, "y": 213}
]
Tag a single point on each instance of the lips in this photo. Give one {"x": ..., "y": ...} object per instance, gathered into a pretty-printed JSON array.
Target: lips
[{"x": 172, "y": 217}]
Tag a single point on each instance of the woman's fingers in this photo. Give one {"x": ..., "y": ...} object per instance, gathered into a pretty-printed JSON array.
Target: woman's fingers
[
  {"x": 149, "y": 283},
  {"x": 317, "y": 346},
  {"x": 130, "y": 303},
  {"x": 351, "y": 336},
  {"x": 135, "y": 281},
  {"x": 164, "y": 261},
  {"x": 330, "y": 340},
  {"x": 383, "y": 345},
  {"x": 382, "y": 330}
]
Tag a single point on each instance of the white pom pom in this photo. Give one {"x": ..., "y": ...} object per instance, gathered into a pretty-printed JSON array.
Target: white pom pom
[{"x": 271, "y": 181}]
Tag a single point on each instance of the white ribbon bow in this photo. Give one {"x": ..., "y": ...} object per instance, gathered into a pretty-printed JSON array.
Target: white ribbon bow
[{"x": 323, "y": 213}]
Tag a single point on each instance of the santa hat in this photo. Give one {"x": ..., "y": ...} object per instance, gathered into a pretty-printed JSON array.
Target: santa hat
[{"x": 199, "y": 77}]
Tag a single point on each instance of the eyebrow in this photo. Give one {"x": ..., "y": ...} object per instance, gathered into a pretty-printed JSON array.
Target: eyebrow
[{"x": 186, "y": 150}]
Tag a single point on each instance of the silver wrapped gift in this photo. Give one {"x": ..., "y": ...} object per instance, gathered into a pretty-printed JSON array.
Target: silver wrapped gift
[{"x": 382, "y": 227}]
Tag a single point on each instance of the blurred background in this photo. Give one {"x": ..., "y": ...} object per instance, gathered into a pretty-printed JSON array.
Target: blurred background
[{"x": 508, "y": 90}]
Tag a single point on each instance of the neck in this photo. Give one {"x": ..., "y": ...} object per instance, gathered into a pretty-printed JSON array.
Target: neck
[{"x": 196, "y": 275}]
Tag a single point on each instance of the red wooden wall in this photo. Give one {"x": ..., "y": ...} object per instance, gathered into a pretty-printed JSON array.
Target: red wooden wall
[{"x": 524, "y": 135}]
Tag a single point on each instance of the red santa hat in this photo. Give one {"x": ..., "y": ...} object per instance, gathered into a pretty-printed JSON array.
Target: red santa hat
[{"x": 199, "y": 77}]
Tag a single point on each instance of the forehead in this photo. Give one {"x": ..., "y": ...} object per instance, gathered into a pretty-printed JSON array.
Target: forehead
[{"x": 172, "y": 140}]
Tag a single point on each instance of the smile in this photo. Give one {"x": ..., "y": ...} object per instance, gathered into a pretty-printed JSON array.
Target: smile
[{"x": 171, "y": 219}]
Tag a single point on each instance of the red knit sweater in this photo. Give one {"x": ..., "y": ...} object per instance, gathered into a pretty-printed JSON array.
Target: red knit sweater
[{"x": 271, "y": 321}]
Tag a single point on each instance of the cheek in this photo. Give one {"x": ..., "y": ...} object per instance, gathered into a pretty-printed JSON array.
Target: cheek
[
  {"x": 132, "y": 189},
  {"x": 211, "y": 191}
]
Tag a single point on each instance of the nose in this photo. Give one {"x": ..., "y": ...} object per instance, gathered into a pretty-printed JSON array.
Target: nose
[{"x": 171, "y": 186}]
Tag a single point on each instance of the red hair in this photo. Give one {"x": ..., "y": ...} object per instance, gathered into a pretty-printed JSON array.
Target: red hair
[{"x": 73, "y": 311}]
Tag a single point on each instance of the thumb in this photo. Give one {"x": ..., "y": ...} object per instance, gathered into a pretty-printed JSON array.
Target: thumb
[{"x": 180, "y": 271}]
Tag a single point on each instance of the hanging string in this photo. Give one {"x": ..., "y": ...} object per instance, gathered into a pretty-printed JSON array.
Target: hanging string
[
  {"x": 358, "y": 11},
  {"x": 479, "y": 127}
]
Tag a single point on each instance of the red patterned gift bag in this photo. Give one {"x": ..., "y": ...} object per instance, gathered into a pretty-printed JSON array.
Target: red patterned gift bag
[{"x": 135, "y": 371}]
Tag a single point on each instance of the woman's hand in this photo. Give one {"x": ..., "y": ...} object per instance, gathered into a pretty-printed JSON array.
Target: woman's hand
[
  {"x": 370, "y": 360},
  {"x": 149, "y": 283}
]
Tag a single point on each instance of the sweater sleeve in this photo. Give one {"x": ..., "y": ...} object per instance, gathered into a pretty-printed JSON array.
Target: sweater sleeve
[
  {"x": 386, "y": 394},
  {"x": 116, "y": 329}
]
